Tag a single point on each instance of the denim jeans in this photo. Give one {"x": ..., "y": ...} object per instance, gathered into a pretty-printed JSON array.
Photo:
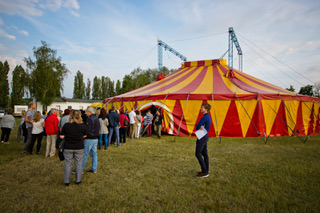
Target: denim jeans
[
  {"x": 116, "y": 130},
  {"x": 105, "y": 138},
  {"x": 201, "y": 150},
  {"x": 90, "y": 146}
]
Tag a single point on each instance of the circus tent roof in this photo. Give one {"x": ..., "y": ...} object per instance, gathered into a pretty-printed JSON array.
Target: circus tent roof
[{"x": 207, "y": 79}]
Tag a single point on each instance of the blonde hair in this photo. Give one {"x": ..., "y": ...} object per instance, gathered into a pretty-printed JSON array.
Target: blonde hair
[
  {"x": 37, "y": 116},
  {"x": 75, "y": 117}
]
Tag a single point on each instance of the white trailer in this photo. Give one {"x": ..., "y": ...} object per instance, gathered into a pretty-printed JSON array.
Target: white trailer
[{"x": 19, "y": 108}]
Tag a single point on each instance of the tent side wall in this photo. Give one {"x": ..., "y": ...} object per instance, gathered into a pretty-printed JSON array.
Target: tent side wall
[{"x": 235, "y": 118}]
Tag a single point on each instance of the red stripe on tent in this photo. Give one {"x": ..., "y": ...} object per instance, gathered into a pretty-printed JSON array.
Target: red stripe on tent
[
  {"x": 201, "y": 63},
  {"x": 223, "y": 69},
  {"x": 299, "y": 128},
  {"x": 177, "y": 114},
  {"x": 247, "y": 87},
  {"x": 262, "y": 84},
  {"x": 311, "y": 121},
  {"x": 279, "y": 127},
  {"x": 168, "y": 86},
  {"x": 318, "y": 122},
  {"x": 257, "y": 125},
  {"x": 195, "y": 83},
  {"x": 231, "y": 126},
  {"x": 219, "y": 87}
]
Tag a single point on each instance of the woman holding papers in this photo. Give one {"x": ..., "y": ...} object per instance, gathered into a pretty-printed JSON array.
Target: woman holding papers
[{"x": 202, "y": 138}]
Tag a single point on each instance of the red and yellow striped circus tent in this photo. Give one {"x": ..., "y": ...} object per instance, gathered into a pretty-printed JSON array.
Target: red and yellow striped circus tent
[{"x": 241, "y": 105}]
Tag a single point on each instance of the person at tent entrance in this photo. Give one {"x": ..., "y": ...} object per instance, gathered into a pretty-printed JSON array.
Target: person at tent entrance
[
  {"x": 201, "y": 144},
  {"x": 157, "y": 124},
  {"x": 149, "y": 123}
]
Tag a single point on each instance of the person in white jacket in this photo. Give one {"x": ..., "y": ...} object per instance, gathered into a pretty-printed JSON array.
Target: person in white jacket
[
  {"x": 103, "y": 132},
  {"x": 7, "y": 124}
]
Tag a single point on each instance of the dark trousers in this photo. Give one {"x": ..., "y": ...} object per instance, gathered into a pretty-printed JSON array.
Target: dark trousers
[
  {"x": 149, "y": 130},
  {"x": 5, "y": 134},
  {"x": 35, "y": 137},
  {"x": 201, "y": 150},
  {"x": 123, "y": 134}
]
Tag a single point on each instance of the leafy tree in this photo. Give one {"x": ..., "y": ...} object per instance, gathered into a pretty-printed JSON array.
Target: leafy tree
[
  {"x": 79, "y": 86},
  {"x": 291, "y": 89},
  {"x": 118, "y": 87},
  {"x": 46, "y": 74},
  {"x": 4, "y": 84},
  {"x": 316, "y": 89},
  {"x": 88, "y": 89},
  {"x": 96, "y": 88},
  {"x": 306, "y": 90},
  {"x": 18, "y": 85}
]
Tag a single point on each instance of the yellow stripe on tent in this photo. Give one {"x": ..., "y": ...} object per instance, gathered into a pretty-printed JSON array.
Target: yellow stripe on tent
[
  {"x": 172, "y": 77},
  {"x": 291, "y": 114},
  {"x": 186, "y": 81},
  {"x": 204, "y": 87},
  {"x": 316, "y": 114},
  {"x": 128, "y": 105},
  {"x": 245, "y": 120},
  {"x": 142, "y": 103},
  {"x": 232, "y": 87},
  {"x": 270, "y": 110},
  {"x": 219, "y": 109},
  {"x": 306, "y": 112},
  {"x": 117, "y": 105},
  {"x": 191, "y": 112},
  {"x": 170, "y": 105}
]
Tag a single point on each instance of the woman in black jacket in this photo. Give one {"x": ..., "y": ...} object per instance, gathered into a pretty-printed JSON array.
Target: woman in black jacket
[{"x": 74, "y": 133}]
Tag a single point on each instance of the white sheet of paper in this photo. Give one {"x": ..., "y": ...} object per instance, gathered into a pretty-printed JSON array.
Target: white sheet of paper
[{"x": 200, "y": 133}]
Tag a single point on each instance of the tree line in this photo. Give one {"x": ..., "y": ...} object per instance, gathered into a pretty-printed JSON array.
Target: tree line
[{"x": 43, "y": 79}]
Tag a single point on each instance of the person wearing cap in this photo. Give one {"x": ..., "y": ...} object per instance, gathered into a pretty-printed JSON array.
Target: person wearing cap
[{"x": 52, "y": 129}]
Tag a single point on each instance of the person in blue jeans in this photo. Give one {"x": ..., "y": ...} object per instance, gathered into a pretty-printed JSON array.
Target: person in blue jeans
[
  {"x": 91, "y": 142},
  {"x": 114, "y": 121},
  {"x": 103, "y": 133},
  {"x": 201, "y": 144}
]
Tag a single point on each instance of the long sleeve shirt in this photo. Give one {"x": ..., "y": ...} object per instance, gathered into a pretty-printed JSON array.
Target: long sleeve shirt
[{"x": 204, "y": 121}]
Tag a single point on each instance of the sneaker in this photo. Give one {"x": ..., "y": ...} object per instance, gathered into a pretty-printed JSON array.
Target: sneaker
[
  {"x": 202, "y": 175},
  {"x": 77, "y": 183},
  {"x": 67, "y": 184},
  {"x": 91, "y": 171},
  {"x": 2, "y": 141}
]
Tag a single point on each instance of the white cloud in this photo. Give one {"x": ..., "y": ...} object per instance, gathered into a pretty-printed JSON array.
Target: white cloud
[
  {"x": 36, "y": 7},
  {"x": 6, "y": 35},
  {"x": 23, "y": 32}
]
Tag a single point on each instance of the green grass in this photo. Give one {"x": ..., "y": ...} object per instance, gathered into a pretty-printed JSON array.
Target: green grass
[{"x": 152, "y": 175}]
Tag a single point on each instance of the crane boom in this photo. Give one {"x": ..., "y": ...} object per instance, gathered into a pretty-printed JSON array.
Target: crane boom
[{"x": 161, "y": 45}]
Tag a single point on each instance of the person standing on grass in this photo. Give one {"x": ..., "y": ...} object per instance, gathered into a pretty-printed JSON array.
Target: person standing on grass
[
  {"x": 74, "y": 133},
  {"x": 20, "y": 130},
  {"x": 139, "y": 121},
  {"x": 28, "y": 120},
  {"x": 157, "y": 124},
  {"x": 91, "y": 142},
  {"x": 123, "y": 127},
  {"x": 103, "y": 133},
  {"x": 114, "y": 121},
  {"x": 37, "y": 131},
  {"x": 149, "y": 123},
  {"x": 133, "y": 122},
  {"x": 201, "y": 145},
  {"x": 51, "y": 125},
  {"x": 7, "y": 124}
]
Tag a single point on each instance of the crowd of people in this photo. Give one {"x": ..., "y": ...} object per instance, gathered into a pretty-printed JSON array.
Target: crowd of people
[{"x": 82, "y": 132}]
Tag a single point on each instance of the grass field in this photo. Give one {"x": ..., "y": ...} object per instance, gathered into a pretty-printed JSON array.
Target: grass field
[{"x": 152, "y": 175}]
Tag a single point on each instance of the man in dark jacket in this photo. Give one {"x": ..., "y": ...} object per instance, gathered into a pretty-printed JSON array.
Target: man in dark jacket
[
  {"x": 114, "y": 120},
  {"x": 90, "y": 144}
]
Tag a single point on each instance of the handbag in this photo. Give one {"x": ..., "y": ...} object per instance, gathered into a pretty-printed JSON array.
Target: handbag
[
  {"x": 125, "y": 122},
  {"x": 60, "y": 150}
]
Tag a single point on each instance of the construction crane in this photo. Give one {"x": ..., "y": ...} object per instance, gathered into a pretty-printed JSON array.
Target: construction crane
[
  {"x": 161, "y": 45},
  {"x": 233, "y": 40}
]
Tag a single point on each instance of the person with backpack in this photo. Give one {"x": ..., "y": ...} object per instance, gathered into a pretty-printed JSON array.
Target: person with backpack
[{"x": 124, "y": 122}]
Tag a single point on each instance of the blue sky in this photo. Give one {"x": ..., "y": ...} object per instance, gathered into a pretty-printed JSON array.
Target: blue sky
[{"x": 112, "y": 37}]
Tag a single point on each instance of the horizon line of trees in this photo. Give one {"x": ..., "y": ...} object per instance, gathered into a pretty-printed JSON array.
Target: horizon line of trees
[{"x": 43, "y": 79}]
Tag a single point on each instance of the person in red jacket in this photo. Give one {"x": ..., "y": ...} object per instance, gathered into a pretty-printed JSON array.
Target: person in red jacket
[{"x": 52, "y": 129}]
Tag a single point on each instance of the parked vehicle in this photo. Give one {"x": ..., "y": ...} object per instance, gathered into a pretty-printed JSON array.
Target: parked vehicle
[
  {"x": 18, "y": 109},
  {"x": 1, "y": 113}
]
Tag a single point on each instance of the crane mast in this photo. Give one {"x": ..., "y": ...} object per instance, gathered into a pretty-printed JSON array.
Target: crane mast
[{"x": 233, "y": 40}]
